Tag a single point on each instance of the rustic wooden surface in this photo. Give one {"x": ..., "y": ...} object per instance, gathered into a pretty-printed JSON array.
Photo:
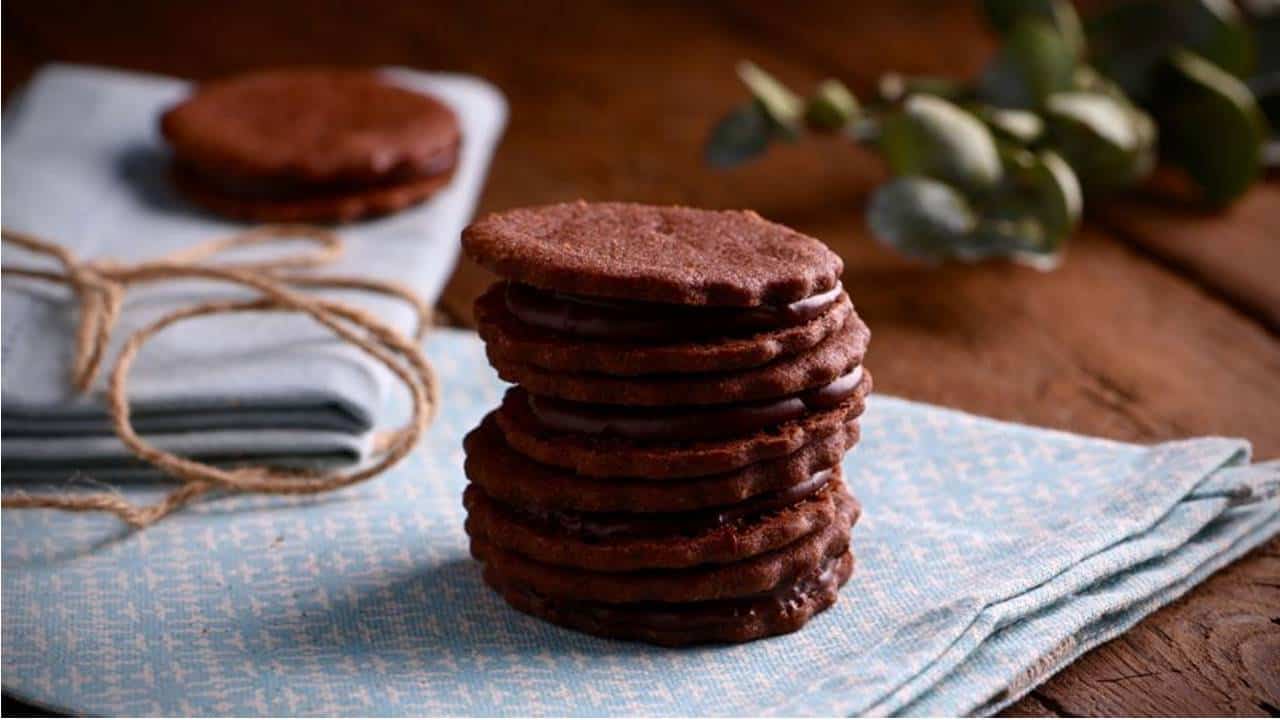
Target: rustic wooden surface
[{"x": 1162, "y": 323}]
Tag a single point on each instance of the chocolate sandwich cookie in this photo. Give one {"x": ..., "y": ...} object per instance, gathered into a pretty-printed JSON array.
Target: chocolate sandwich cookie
[
  {"x": 552, "y": 440},
  {"x": 310, "y": 144},
  {"x": 750, "y": 576},
  {"x": 514, "y": 479},
  {"x": 667, "y": 466},
  {"x": 836, "y": 356},
  {"x": 674, "y": 255},
  {"x": 331, "y": 206},
  {"x": 569, "y": 335},
  {"x": 623, "y": 541},
  {"x": 782, "y": 610}
]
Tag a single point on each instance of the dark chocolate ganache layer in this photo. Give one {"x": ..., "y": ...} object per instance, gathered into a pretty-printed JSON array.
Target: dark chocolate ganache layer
[
  {"x": 788, "y": 597},
  {"x": 690, "y": 423},
  {"x": 618, "y": 525},
  {"x": 284, "y": 189},
  {"x": 623, "y": 320}
]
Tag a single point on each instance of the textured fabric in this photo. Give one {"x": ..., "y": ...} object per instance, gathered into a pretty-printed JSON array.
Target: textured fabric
[
  {"x": 989, "y": 555},
  {"x": 84, "y": 166}
]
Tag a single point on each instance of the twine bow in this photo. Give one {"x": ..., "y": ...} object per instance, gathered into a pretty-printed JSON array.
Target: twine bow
[{"x": 100, "y": 287}]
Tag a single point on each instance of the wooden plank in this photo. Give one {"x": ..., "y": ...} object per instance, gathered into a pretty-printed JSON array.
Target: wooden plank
[
  {"x": 1234, "y": 253},
  {"x": 1214, "y": 652},
  {"x": 612, "y": 101}
]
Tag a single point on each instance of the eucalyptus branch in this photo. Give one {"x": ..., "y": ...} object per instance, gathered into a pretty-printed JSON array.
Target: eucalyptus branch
[{"x": 1000, "y": 166}]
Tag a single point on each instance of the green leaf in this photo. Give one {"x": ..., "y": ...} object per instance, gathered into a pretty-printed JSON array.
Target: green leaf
[
  {"x": 1090, "y": 80},
  {"x": 1021, "y": 126},
  {"x": 831, "y": 106},
  {"x": 1035, "y": 62},
  {"x": 1059, "y": 198},
  {"x": 1216, "y": 32},
  {"x": 1132, "y": 40},
  {"x": 893, "y": 87},
  {"x": 1014, "y": 239},
  {"x": 1129, "y": 40},
  {"x": 1028, "y": 218},
  {"x": 781, "y": 105},
  {"x": 1211, "y": 126},
  {"x": 739, "y": 136},
  {"x": 1039, "y": 187},
  {"x": 1060, "y": 14},
  {"x": 920, "y": 217},
  {"x": 932, "y": 137},
  {"x": 1266, "y": 90},
  {"x": 1107, "y": 143}
]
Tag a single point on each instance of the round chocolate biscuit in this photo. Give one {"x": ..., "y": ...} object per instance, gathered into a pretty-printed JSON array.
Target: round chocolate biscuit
[
  {"x": 514, "y": 479},
  {"x": 331, "y": 207},
  {"x": 522, "y": 343},
  {"x": 622, "y": 542},
  {"x": 757, "y": 574},
  {"x": 606, "y": 456},
  {"x": 291, "y": 129},
  {"x": 818, "y": 366},
  {"x": 677, "y": 255},
  {"x": 783, "y": 610}
]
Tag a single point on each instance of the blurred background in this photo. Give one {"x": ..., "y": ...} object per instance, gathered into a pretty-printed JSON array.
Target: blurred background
[{"x": 1161, "y": 321}]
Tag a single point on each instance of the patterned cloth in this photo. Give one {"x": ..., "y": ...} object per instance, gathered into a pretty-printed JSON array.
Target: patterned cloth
[{"x": 989, "y": 556}]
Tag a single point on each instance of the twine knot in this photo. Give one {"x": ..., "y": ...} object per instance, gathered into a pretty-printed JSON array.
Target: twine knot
[{"x": 100, "y": 287}]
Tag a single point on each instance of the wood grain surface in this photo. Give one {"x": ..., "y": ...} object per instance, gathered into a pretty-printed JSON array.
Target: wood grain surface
[{"x": 1161, "y": 323}]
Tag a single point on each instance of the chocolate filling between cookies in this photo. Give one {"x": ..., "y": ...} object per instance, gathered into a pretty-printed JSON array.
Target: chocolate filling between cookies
[
  {"x": 604, "y": 526},
  {"x": 786, "y": 597},
  {"x": 610, "y": 319},
  {"x": 286, "y": 189},
  {"x": 690, "y": 423}
]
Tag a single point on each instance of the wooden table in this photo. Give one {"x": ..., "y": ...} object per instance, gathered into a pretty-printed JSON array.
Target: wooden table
[{"x": 1162, "y": 323}]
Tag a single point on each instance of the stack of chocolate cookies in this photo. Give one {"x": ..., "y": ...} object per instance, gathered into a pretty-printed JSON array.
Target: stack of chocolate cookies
[
  {"x": 310, "y": 145},
  {"x": 667, "y": 466}
]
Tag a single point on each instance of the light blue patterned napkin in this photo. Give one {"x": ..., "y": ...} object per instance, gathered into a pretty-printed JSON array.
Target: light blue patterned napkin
[
  {"x": 989, "y": 556},
  {"x": 84, "y": 166}
]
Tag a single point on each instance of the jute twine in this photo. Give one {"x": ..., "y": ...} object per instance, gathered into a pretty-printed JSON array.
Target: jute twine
[{"x": 100, "y": 286}]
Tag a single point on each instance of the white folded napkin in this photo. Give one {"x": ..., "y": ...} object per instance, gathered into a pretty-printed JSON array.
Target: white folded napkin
[{"x": 84, "y": 166}]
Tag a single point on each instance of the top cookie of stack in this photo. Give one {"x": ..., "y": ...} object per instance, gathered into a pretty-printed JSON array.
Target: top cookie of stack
[
  {"x": 301, "y": 145},
  {"x": 687, "y": 382}
]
